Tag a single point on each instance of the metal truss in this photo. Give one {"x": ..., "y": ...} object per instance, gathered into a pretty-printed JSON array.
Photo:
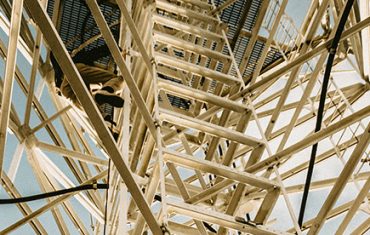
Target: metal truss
[{"x": 214, "y": 136}]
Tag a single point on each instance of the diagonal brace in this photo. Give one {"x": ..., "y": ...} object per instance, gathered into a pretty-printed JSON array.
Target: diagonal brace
[{"x": 66, "y": 63}]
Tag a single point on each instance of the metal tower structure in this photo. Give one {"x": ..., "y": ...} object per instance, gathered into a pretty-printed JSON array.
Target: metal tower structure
[{"x": 221, "y": 99}]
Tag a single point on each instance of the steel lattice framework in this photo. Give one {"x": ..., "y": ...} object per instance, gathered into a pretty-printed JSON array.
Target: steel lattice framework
[{"x": 221, "y": 98}]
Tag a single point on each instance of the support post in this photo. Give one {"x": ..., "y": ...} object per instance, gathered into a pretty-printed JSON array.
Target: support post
[
  {"x": 15, "y": 26},
  {"x": 66, "y": 63}
]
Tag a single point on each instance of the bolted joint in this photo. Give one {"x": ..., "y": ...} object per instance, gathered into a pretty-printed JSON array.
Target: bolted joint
[
  {"x": 269, "y": 168},
  {"x": 125, "y": 51},
  {"x": 157, "y": 123},
  {"x": 165, "y": 231},
  {"x": 272, "y": 188},
  {"x": 152, "y": 61},
  {"x": 248, "y": 109},
  {"x": 25, "y": 130},
  {"x": 247, "y": 95},
  {"x": 27, "y": 136}
]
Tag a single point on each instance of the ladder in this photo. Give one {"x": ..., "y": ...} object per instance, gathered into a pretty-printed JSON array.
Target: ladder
[{"x": 195, "y": 171}]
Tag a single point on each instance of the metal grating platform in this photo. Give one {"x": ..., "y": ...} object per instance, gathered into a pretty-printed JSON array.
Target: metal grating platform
[{"x": 198, "y": 148}]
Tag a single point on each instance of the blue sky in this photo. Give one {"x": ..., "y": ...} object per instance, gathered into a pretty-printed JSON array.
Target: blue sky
[{"x": 27, "y": 184}]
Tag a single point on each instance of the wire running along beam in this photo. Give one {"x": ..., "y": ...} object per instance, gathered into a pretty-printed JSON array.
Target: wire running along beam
[
  {"x": 85, "y": 98},
  {"x": 212, "y": 137},
  {"x": 329, "y": 64},
  {"x": 48, "y": 206},
  {"x": 52, "y": 194}
]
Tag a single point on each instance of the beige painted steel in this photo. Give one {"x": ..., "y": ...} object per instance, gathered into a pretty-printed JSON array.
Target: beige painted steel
[
  {"x": 216, "y": 168},
  {"x": 189, "y": 92},
  {"x": 311, "y": 139},
  {"x": 359, "y": 200},
  {"x": 48, "y": 206},
  {"x": 86, "y": 100},
  {"x": 186, "y": 66},
  {"x": 342, "y": 180},
  {"x": 15, "y": 25},
  {"x": 213, "y": 129},
  {"x": 184, "y": 160},
  {"x": 218, "y": 218}
]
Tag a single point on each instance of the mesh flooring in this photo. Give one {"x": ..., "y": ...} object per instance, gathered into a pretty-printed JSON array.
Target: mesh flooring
[
  {"x": 232, "y": 16},
  {"x": 77, "y": 25}
]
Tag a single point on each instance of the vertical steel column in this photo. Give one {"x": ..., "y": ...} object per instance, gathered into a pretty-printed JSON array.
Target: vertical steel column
[
  {"x": 35, "y": 65},
  {"x": 15, "y": 26},
  {"x": 125, "y": 131},
  {"x": 61, "y": 54}
]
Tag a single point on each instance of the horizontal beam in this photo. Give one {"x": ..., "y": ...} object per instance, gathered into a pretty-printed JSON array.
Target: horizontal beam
[
  {"x": 210, "y": 192},
  {"x": 180, "y": 43},
  {"x": 199, "y": 95},
  {"x": 209, "y": 128},
  {"x": 197, "y": 69},
  {"x": 228, "y": 221},
  {"x": 72, "y": 154},
  {"x": 202, "y": 4},
  {"x": 310, "y": 140},
  {"x": 181, "y": 229},
  {"x": 187, "y": 28},
  {"x": 186, "y": 12},
  {"x": 217, "y": 169},
  {"x": 326, "y": 183}
]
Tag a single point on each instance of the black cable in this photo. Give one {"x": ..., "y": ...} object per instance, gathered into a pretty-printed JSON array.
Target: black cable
[
  {"x": 329, "y": 64},
  {"x": 209, "y": 227},
  {"x": 53, "y": 194}
]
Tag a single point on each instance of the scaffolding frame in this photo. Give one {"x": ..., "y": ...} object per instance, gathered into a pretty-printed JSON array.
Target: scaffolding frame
[{"x": 213, "y": 129}]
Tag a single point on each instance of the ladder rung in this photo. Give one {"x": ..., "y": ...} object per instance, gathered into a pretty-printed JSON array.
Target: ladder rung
[
  {"x": 186, "y": 12},
  {"x": 192, "y": 93},
  {"x": 218, "y": 169},
  {"x": 203, "y": 5},
  {"x": 210, "y": 128},
  {"x": 188, "y": 46},
  {"x": 187, "y": 28},
  {"x": 200, "y": 70}
]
